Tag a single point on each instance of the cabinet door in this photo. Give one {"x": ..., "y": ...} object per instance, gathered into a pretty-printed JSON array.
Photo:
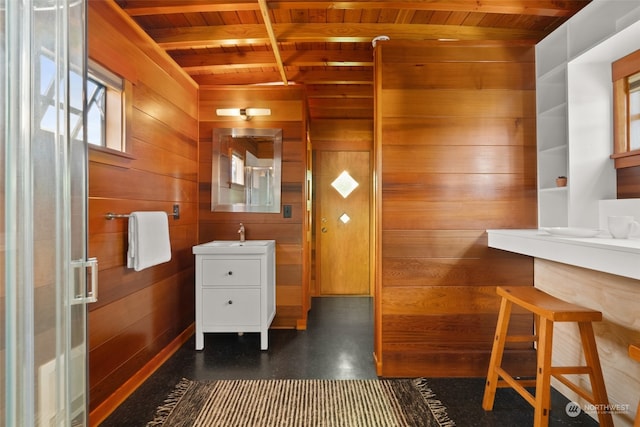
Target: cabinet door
[
  {"x": 230, "y": 307},
  {"x": 230, "y": 272}
]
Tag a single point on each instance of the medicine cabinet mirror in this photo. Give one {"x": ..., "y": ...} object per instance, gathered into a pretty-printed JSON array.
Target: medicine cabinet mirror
[{"x": 246, "y": 170}]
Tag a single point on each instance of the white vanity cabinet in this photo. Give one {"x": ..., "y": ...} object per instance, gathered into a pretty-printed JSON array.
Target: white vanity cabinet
[{"x": 235, "y": 288}]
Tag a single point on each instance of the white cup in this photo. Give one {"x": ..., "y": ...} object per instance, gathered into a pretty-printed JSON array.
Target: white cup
[{"x": 621, "y": 227}]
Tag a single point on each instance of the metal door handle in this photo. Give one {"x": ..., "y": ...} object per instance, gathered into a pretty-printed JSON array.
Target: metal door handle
[{"x": 90, "y": 294}]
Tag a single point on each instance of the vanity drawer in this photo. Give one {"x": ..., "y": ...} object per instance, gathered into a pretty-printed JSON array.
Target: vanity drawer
[
  {"x": 230, "y": 307},
  {"x": 230, "y": 272}
]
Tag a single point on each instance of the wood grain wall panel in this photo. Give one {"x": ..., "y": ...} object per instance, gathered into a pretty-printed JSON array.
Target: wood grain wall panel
[
  {"x": 456, "y": 146},
  {"x": 333, "y": 113},
  {"x": 288, "y": 112},
  {"x": 438, "y": 187},
  {"x": 413, "y": 54},
  {"x": 459, "y": 102},
  {"x": 400, "y": 272},
  {"x": 628, "y": 182},
  {"x": 162, "y": 107},
  {"x": 110, "y": 320},
  {"x": 159, "y": 161},
  {"x": 449, "y": 215},
  {"x": 459, "y": 75},
  {"x": 457, "y": 363},
  {"x": 489, "y": 159},
  {"x": 113, "y": 182},
  {"x": 428, "y": 300},
  {"x": 464, "y": 131},
  {"x": 117, "y": 283},
  {"x": 438, "y": 244},
  {"x": 342, "y": 106},
  {"x": 131, "y": 343},
  {"x": 345, "y": 132},
  {"x": 162, "y": 136},
  {"x": 409, "y": 332},
  {"x": 140, "y": 313}
]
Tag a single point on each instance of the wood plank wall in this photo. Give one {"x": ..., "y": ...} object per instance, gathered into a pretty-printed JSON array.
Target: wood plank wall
[
  {"x": 139, "y": 313},
  {"x": 628, "y": 182},
  {"x": 288, "y": 112},
  {"x": 455, "y": 155}
]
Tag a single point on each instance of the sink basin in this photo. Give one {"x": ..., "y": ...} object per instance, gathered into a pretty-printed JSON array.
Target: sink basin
[
  {"x": 233, "y": 244},
  {"x": 218, "y": 247}
]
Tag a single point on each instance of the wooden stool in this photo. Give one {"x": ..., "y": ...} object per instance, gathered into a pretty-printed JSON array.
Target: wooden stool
[
  {"x": 547, "y": 310},
  {"x": 634, "y": 352}
]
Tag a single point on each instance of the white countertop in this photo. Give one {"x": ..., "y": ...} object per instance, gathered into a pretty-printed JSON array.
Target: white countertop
[{"x": 614, "y": 256}]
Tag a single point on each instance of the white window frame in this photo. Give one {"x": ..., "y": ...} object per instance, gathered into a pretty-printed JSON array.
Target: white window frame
[{"x": 114, "y": 125}]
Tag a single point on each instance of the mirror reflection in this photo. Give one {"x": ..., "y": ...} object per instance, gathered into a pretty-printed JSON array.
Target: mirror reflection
[{"x": 246, "y": 170}]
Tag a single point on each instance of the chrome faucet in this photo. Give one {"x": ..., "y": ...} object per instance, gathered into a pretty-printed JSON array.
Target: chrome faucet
[{"x": 241, "y": 232}]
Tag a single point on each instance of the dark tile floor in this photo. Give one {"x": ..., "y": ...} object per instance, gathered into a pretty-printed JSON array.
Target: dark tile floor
[{"x": 338, "y": 344}]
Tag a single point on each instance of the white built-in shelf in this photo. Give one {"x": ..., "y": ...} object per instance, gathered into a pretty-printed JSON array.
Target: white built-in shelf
[
  {"x": 553, "y": 190},
  {"x": 559, "y": 149},
  {"x": 573, "y": 93}
]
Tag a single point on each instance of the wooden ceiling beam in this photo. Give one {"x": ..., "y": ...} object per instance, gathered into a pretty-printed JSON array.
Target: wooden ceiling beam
[
  {"x": 264, "y": 10},
  {"x": 239, "y": 79},
  {"x": 513, "y": 7},
  {"x": 226, "y": 35},
  {"x": 337, "y": 33},
  {"x": 212, "y": 36},
  {"x": 331, "y": 77},
  {"x": 216, "y": 62},
  {"x": 314, "y": 77},
  {"x": 339, "y": 91},
  {"x": 164, "y": 7}
]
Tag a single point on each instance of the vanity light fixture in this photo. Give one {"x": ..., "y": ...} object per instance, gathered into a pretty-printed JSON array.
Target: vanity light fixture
[{"x": 244, "y": 113}]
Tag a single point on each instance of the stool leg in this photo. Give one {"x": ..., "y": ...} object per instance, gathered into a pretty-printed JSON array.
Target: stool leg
[
  {"x": 496, "y": 354},
  {"x": 543, "y": 374},
  {"x": 598, "y": 388}
]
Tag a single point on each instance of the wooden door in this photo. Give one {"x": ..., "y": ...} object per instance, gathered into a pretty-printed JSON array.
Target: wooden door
[{"x": 342, "y": 223}]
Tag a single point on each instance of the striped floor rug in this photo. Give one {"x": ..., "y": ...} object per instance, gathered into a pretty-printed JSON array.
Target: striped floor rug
[{"x": 303, "y": 403}]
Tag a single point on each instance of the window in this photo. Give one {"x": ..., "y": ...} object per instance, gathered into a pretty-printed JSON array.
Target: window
[
  {"x": 634, "y": 112},
  {"x": 105, "y": 108},
  {"x": 48, "y": 109},
  {"x": 237, "y": 169},
  {"x": 626, "y": 110}
]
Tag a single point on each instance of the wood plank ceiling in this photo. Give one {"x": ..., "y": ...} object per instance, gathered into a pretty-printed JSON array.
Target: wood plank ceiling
[{"x": 326, "y": 45}]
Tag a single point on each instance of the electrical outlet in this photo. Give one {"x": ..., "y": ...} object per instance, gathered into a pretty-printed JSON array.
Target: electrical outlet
[{"x": 286, "y": 211}]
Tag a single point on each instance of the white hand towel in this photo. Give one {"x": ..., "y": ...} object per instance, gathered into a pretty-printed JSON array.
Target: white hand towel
[{"x": 149, "y": 242}]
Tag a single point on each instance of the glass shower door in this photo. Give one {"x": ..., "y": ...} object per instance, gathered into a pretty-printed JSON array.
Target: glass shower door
[{"x": 45, "y": 284}]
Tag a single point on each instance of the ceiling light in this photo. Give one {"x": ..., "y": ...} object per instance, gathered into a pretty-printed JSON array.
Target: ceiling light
[{"x": 244, "y": 113}]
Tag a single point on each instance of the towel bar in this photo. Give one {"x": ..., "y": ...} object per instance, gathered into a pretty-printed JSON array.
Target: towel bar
[{"x": 175, "y": 214}]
